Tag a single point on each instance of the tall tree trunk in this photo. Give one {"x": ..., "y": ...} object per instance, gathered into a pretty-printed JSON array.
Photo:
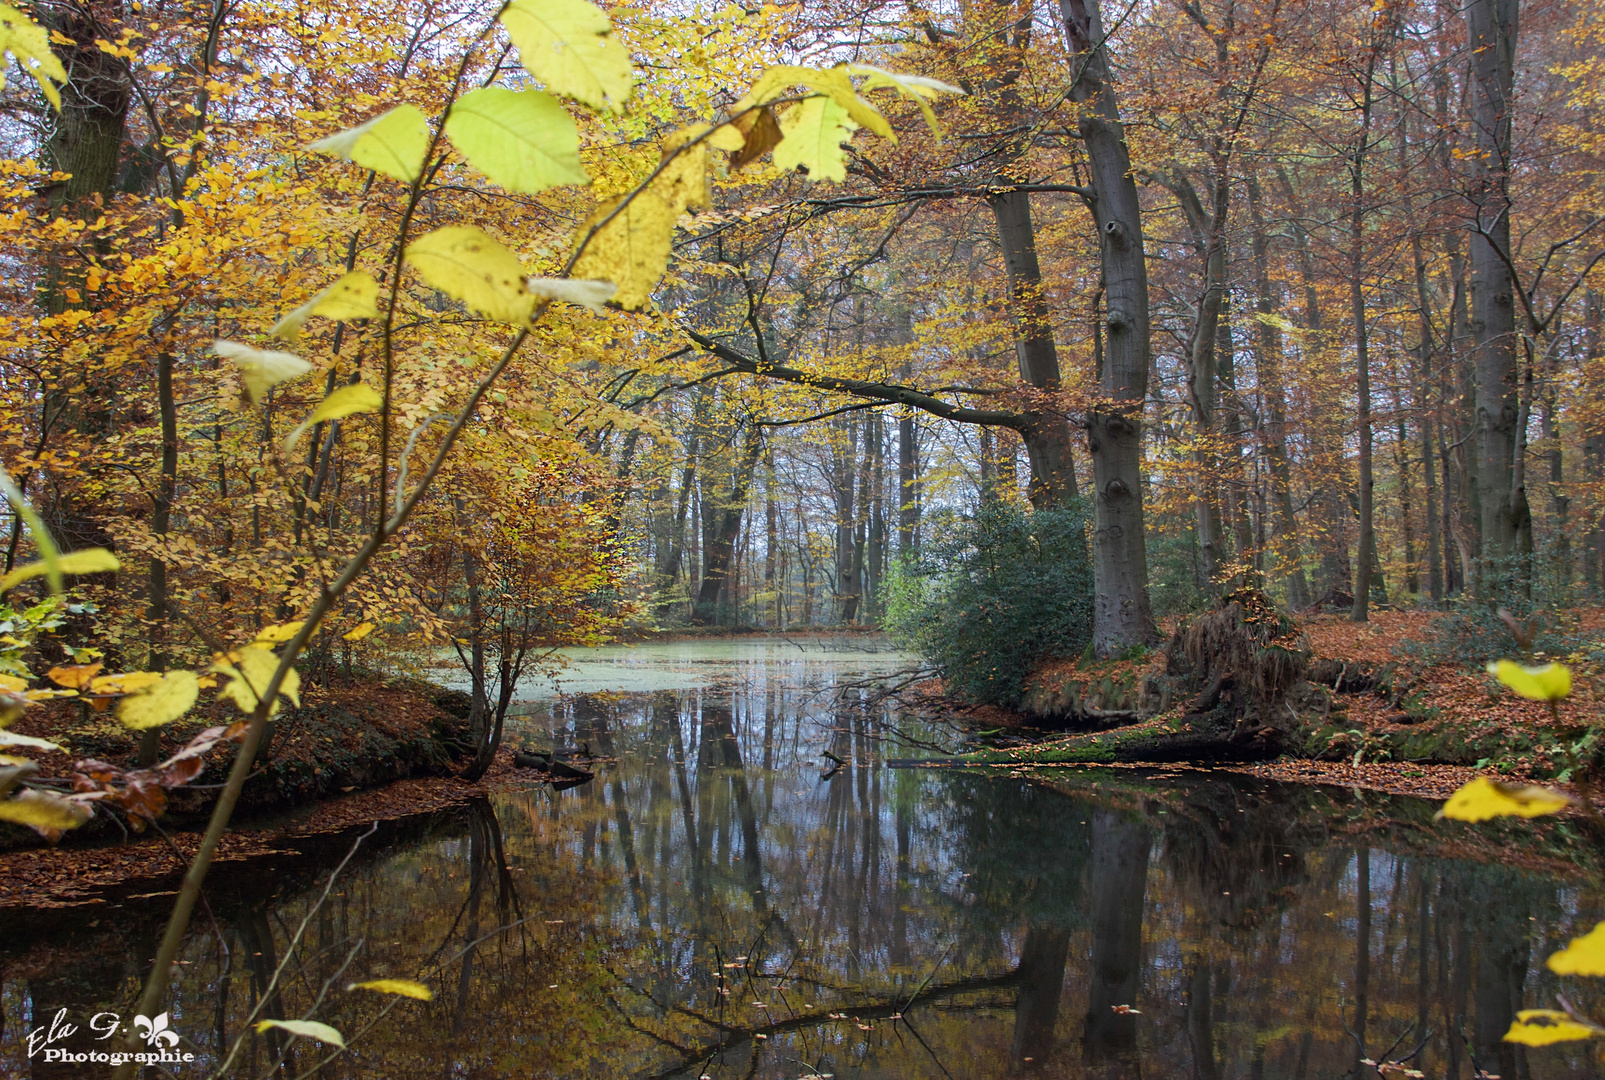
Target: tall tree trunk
[
  {"x": 1367, "y": 555},
  {"x": 843, "y": 478},
  {"x": 1047, "y": 434},
  {"x": 1268, "y": 363},
  {"x": 150, "y": 742},
  {"x": 1491, "y": 27},
  {"x": 85, "y": 143},
  {"x": 1423, "y": 358},
  {"x": 1330, "y": 500},
  {"x": 908, "y": 484},
  {"x": 1122, "y": 617},
  {"x": 1401, "y": 446},
  {"x": 771, "y": 538},
  {"x": 722, "y": 539},
  {"x": 1208, "y": 225}
]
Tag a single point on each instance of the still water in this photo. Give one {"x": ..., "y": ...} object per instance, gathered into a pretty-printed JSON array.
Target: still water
[{"x": 715, "y": 904}]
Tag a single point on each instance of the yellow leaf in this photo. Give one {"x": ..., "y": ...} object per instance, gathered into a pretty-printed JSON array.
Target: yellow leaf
[
  {"x": 43, "y": 811},
  {"x": 917, "y": 88},
  {"x": 9, "y": 759},
  {"x": 466, "y": 264},
  {"x": 524, "y": 140},
  {"x": 13, "y": 684},
  {"x": 631, "y": 249},
  {"x": 569, "y": 46},
  {"x": 169, "y": 698},
  {"x": 277, "y": 635},
  {"x": 354, "y": 296},
  {"x": 73, "y": 676},
  {"x": 587, "y": 294},
  {"x": 727, "y": 137},
  {"x": 1552, "y": 682},
  {"x": 260, "y": 369},
  {"x": 683, "y": 179},
  {"x": 249, "y": 670},
  {"x": 814, "y": 131},
  {"x": 87, "y": 561},
  {"x": 358, "y": 632},
  {"x": 1541, "y": 1027},
  {"x": 307, "y": 1029},
  {"x": 1483, "y": 798},
  {"x": 393, "y": 143},
  {"x": 1583, "y": 956},
  {"x": 30, "y": 44},
  {"x": 128, "y": 682},
  {"x": 346, "y": 401},
  {"x": 400, "y": 987},
  {"x": 834, "y": 83}
]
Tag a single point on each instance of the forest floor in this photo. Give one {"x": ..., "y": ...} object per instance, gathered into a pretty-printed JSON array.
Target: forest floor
[{"x": 1410, "y": 726}]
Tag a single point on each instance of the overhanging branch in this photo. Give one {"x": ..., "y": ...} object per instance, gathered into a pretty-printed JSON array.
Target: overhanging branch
[{"x": 884, "y": 393}]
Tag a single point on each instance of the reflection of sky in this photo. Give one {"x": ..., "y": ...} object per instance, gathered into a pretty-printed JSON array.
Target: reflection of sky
[
  {"x": 683, "y": 665},
  {"x": 711, "y": 886}
]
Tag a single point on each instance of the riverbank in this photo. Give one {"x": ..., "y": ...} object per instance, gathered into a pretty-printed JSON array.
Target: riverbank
[
  {"x": 1364, "y": 698},
  {"x": 341, "y": 739}
]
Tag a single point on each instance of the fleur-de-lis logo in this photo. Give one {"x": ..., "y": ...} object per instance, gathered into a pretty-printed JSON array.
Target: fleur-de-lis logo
[{"x": 155, "y": 1031}]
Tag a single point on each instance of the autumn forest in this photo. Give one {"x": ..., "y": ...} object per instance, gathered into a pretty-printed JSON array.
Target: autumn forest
[{"x": 400, "y": 342}]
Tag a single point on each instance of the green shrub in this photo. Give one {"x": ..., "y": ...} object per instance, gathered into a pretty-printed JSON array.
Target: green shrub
[
  {"x": 993, "y": 595},
  {"x": 1538, "y": 590}
]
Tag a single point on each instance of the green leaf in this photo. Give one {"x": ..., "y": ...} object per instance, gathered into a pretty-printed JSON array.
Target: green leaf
[
  {"x": 400, "y": 987},
  {"x": 587, "y": 294},
  {"x": 393, "y": 143},
  {"x": 814, "y": 131},
  {"x": 569, "y": 46},
  {"x": 346, "y": 401},
  {"x": 43, "y": 811},
  {"x": 30, "y": 44},
  {"x": 87, "y": 561},
  {"x": 354, "y": 296},
  {"x": 306, "y": 1029},
  {"x": 466, "y": 264},
  {"x": 524, "y": 140},
  {"x": 160, "y": 703},
  {"x": 260, "y": 369},
  {"x": 631, "y": 249}
]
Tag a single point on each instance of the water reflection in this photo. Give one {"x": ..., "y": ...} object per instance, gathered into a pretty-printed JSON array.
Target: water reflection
[{"x": 711, "y": 906}]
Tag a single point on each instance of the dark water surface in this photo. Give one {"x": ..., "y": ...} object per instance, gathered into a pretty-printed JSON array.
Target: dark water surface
[{"x": 711, "y": 907}]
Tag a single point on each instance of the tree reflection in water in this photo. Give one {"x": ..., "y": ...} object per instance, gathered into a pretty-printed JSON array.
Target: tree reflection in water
[{"x": 710, "y": 906}]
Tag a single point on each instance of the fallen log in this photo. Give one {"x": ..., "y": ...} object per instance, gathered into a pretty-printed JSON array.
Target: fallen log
[{"x": 1160, "y": 741}]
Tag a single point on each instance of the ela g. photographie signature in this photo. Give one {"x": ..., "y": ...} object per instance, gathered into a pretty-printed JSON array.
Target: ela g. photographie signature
[{"x": 161, "y": 1041}]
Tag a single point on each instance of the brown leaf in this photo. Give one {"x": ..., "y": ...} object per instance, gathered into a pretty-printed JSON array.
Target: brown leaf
[{"x": 763, "y": 135}]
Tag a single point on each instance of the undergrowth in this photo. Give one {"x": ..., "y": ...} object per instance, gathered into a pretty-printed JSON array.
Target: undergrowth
[{"x": 991, "y": 596}]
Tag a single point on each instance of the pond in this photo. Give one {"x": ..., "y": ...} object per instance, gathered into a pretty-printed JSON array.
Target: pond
[{"x": 721, "y": 902}]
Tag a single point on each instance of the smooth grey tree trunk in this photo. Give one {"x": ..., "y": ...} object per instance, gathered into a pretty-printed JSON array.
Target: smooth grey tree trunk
[
  {"x": 1047, "y": 434},
  {"x": 1491, "y": 28},
  {"x": 1122, "y": 617}
]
